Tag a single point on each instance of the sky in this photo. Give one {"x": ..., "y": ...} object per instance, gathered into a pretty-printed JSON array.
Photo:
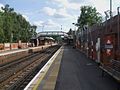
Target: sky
[{"x": 56, "y": 15}]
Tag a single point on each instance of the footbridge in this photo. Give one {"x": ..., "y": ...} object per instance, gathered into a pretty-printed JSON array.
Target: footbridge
[{"x": 52, "y": 33}]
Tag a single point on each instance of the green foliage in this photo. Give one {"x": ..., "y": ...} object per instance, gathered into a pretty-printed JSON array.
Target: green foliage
[
  {"x": 14, "y": 27},
  {"x": 88, "y": 16},
  {"x": 55, "y": 37}
]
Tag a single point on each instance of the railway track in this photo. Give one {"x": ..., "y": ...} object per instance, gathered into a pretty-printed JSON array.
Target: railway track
[{"x": 15, "y": 76}]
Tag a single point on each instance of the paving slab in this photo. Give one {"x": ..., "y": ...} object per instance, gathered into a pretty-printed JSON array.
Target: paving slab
[{"x": 77, "y": 72}]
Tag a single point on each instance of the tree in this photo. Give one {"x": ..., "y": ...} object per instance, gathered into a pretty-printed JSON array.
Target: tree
[
  {"x": 33, "y": 31},
  {"x": 1, "y": 29},
  {"x": 7, "y": 23},
  {"x": 88, "y": 16},
  {"x": 14, "y": 27}
]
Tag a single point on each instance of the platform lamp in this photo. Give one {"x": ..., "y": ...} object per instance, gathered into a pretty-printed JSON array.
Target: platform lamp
[{"x": 61, "y": 27}]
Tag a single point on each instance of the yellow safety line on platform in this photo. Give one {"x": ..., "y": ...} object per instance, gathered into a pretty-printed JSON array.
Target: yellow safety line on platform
[
  {"x": 50, "y": 82},
  {"x": 46, "y": 69}
]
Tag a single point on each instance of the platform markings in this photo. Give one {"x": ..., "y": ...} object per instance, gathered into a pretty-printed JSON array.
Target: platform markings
[{"x": 35, "y": 82}]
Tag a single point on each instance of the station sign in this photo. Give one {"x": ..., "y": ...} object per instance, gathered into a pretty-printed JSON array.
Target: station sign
[
  {"x": 108, "y": 42},
  {"x": 108, "y": 46}
]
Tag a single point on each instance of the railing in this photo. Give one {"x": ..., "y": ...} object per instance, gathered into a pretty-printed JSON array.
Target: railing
[{"x": 112, "y": 69}]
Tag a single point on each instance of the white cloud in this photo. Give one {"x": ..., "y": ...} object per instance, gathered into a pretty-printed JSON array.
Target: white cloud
[
  {"x": 57, "y": 13},
  {"x": 100, "y": 5},
  {"x": 38, "y": 23},
  {"x": 67, "y": 4},
  {"x": 1, "y": 5},
  {"x": 75, "y": 6},
  {"x": 48, "y": 23},
  {"x": 26, "y": 17},
  {"x": 49, "y": 11},
  {"x": 62, "y": 13},
  {"x": 103, "y": 5}
]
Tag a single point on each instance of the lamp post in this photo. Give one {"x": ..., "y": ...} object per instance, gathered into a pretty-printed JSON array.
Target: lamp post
[
  {"x": 110, "y": 8},
  {"x": 61, "y": 27}
]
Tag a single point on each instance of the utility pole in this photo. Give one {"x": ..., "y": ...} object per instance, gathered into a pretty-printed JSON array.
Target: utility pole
[
  {"x": 61, "y": 27},
  {"x": 111, "y": 19},
  {"x": 110, "y": 8}
]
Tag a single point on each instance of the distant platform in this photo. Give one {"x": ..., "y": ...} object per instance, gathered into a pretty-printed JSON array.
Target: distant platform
[{"x": 20, "y": 50}]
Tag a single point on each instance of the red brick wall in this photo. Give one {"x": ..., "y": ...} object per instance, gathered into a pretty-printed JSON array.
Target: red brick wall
[{"x": 14, "y": 45}]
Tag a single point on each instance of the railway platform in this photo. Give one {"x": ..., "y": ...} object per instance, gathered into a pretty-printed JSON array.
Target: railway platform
[
  {"x": 12, "y": 55},
  {"x": 69, "y": 69},
  {"x": 20, "y": 50}
]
